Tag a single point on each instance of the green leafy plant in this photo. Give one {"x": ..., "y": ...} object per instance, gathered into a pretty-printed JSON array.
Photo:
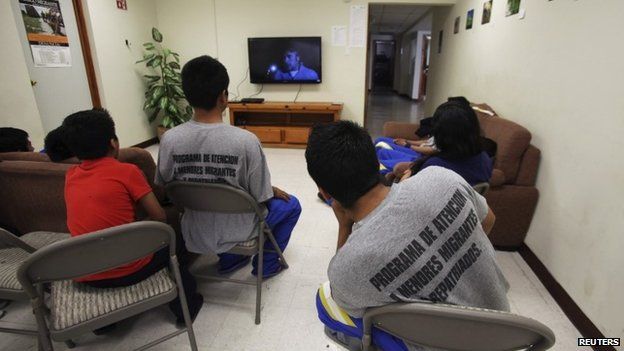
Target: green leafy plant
[{"x": 164, "y": 96}]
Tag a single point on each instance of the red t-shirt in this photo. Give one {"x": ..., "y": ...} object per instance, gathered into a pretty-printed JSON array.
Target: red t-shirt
[{"x": 100, "y": 194}]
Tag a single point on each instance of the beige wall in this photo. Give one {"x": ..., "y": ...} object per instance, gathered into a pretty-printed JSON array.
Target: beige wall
[
  {"x": 119, "y": 79},
  {"x": 18, "y": 108},
  {"x": 190, "y": 29},
  {"x": 559, "y": 73}
]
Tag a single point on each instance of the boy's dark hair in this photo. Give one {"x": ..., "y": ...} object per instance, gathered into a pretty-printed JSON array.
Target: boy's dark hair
[
  {"x": 87, "y": 134},
  {"x": 13, "y": 139},
  {"x": 456, "y": 131},
  {"x": 55, "y": 147},
  {"x": 342, "y": 161},
  {"x": 203, "y": 80}
]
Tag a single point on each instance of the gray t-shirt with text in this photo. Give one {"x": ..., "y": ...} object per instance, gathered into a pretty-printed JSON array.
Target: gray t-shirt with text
[
  {"x": 423, "y": 242},
  {"x": 215, "y": 153}
]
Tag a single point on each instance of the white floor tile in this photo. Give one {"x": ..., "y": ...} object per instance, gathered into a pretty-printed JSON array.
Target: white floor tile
[{"x": 289, "y": 320}]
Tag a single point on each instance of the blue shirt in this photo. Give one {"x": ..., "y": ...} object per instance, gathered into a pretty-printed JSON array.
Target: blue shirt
[
  {"x": 304, "y": 73},
  {"x": 475, "y": 169}
]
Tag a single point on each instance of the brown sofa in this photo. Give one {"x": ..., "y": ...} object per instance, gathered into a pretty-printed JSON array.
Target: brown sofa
[
  {"x": 512, "y": 195},
  {"x": 32, "y": 190}
]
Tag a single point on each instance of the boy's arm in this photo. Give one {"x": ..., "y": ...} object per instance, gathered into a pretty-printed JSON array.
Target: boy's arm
[
  {"x": 154, "y": 211},
  {"x": 164, "y": 164},
  {"x": 425, "y": 150},
  {"x": 488, "y": 222}
]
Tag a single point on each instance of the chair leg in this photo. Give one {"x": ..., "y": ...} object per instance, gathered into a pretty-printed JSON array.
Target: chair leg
[
  {"x": 70, "y": 344},
  {"x": 259, "y": 276},
  {"x": 183, "y": 301},
  {"x": 277, "y": 249}
]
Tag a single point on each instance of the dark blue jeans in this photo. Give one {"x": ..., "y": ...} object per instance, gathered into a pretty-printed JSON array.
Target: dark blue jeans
[{"x": 282, "y": 218}]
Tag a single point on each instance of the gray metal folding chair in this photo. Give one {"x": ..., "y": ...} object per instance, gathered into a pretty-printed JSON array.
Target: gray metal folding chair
[
  {"x": 13, "y": 252},
  {"x": 457, "y": 328},
  {"x": 221, "y": 198},
  {"x": 75, "y": 308},
  {"x": 481, "y": 188}
]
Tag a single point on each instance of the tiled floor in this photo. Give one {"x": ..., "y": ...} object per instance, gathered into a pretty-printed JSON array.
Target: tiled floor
[
  {"x": 389, "y": 106},
  {"x": 289, "y": 319}
]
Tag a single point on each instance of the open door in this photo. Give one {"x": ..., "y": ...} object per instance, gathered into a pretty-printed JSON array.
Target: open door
[
  {"x": 58, "y": 91},
  {"x": 424, "y": 67}
]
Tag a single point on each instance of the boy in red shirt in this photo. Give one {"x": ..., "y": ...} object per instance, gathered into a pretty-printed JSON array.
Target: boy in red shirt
[{"x": 102, "y": 192}]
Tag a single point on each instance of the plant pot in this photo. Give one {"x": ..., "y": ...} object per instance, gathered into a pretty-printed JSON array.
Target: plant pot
[{"x": 160, "y": 130}]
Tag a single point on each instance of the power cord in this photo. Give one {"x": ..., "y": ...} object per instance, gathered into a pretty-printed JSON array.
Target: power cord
[
  {"x": 298, "y": 91},
  {"x": 259, "y": 91},
  {"x": 239, "y": 84}
]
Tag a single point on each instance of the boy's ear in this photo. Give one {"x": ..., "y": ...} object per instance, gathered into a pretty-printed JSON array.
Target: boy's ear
[
  {"x": 223, "y": 98},
  {"x": 325, "y": 194},
  {"x": 114, "y": 144}
]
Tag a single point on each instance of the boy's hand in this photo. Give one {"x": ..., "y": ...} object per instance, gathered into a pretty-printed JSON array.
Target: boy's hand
[
  {"x": 280, "y": 194},
  {"x": 400, "y": 141},
  {"x": 345, "y": 224},
  {"x": 341, "y": 215}
]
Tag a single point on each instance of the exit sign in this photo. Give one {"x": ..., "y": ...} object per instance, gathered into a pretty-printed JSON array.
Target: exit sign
[{"x": 122, "y": 5}]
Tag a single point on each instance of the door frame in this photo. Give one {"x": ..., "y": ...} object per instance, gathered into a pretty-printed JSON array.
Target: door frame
[{"x": 83, "y": 33}]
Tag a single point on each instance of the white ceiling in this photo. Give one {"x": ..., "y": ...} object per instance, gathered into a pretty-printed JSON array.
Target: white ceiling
[{"x": 393, "y": 19}]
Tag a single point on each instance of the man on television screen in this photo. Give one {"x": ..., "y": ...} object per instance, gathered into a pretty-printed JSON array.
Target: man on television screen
[{"x": 293, "y": 69}]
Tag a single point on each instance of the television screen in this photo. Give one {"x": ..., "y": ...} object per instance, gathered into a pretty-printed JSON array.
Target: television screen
[{"x": 285, "y": 60}]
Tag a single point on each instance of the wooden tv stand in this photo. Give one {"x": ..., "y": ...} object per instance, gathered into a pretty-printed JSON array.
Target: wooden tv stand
[{"x": 283, "y": 124}]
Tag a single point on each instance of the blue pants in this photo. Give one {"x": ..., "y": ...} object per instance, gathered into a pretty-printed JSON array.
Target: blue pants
[
  {"x": 389, "y": 158},
  {"x": 351, "y": 326},
  {"x": 282, "y": 217}
]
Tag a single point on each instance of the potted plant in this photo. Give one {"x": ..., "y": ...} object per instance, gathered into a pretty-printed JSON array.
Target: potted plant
[{"x": 164, "y": 97}]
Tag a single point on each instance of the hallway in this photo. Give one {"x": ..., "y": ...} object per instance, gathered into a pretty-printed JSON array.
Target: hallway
[{"x": 388, "y": 106}]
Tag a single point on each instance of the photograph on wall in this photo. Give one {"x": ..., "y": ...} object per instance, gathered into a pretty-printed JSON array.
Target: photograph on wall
[
  {"x": 440, "y": 37},
  {"x": 45, "y": 30},
  {"x": 487, "y": 12},
  {"x": 456, "y": 28},
  {"x": 469, "y": 18},
  {"x": 513, "y": 7}
]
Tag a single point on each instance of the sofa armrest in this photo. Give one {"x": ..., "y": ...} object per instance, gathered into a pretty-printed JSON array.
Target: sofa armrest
[
  {"x": 401, "y": 130},
  {"x": 527, "y": 172},
  {"x": 498, "y": 178}
]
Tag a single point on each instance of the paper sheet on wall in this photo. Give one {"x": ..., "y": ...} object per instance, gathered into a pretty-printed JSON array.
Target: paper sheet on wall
[
  {"x": 357, "y": 27},
  {"x": 45, "y": 30},
  {"x": 339, "y": 35}
]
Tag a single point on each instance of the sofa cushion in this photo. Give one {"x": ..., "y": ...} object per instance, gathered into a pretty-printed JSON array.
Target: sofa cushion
[
  {"x": 24, "y": 156},
  {"x": 512, "y": 140}
]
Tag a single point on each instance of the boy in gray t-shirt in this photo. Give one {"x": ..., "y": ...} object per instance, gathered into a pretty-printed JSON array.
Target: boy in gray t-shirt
[
  {"x": 205, "y": 150},
  {"x": 422, "y": 239}
]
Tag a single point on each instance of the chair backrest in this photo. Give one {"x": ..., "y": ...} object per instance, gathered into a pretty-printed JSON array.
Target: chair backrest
[
  {"x": 481, "y": 188},
  {"x": 459, "y": 328},
  {"x": 212, "y": 197},
  {"x": 94, "y": 252}
]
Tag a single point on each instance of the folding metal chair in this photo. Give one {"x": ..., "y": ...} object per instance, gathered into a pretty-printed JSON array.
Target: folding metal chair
[
  {"x": 14, "y": 251},
  {"x": 481, "y": 188},
  {"x": 457, "y": 328},
  {"x": 76, "y": 308},
  {"x": 221, "y": 198}
]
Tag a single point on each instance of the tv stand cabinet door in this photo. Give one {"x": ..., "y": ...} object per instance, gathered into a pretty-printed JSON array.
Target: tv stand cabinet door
[
  {"x": 296, "y": 135},
  {"x": 267, "y": 134}
]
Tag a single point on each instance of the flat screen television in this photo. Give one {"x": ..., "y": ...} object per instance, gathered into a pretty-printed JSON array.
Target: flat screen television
[{"x": 285, "y": 60}]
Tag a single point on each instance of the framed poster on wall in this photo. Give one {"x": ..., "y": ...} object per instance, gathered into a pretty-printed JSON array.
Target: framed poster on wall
[{"x": 45, "y": 30}]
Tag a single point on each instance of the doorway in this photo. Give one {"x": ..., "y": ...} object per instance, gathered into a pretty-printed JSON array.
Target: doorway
[
  {"x": 383, "y": 65},
  {"x": 397, "y": 64},
  {"x": 59, "y": 91}
]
